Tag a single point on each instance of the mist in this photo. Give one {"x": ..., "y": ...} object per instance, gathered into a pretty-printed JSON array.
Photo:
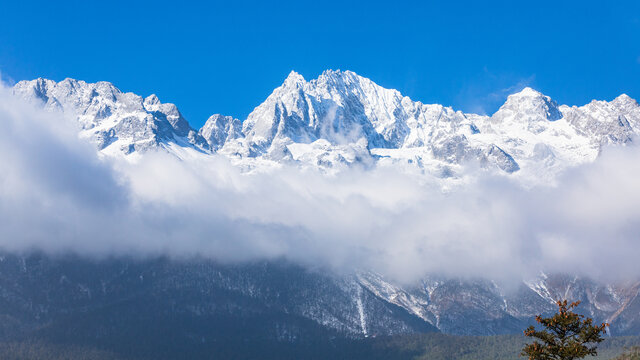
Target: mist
[{"x": 58, "y": 195}]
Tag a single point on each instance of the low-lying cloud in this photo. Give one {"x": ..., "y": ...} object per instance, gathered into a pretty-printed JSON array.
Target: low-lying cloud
[{"x": 57, "y": 195}]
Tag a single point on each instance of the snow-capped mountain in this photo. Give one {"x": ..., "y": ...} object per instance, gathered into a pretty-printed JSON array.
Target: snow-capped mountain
[
  {"x": 341, "y": 119},
  {"x": 530, "y": 135},
  {"x": 219, "y": 129},
  {"x": 117, "y": 122}
]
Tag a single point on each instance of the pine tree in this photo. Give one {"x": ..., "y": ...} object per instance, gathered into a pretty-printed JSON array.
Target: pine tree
[{"x": 566, "y": 335}]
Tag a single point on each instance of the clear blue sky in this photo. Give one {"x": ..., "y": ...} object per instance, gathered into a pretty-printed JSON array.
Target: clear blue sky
[{"x": 227, "y": 58}]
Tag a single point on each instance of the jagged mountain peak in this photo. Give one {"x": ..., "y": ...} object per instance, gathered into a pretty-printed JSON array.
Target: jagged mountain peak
[
  {"x": 624, "y": 99},
  {"x": 151, "y": 100},
  {"x": 115, "y": 121},
  {"x": 328, "y": 79},
  {"x": 527, "y": 92},
  {"x": 336, "y": 72},
  {"x": 219, "y": 129},
  {"x": 528, "y": 96},
  {"x": 339, "y": 75},
  {"x": 614, "y": 122},
  {"x": 340, "y": 107},
  {"x": 528, "y": 105},
  {"x": 294, "y": 79},
  {"x": 346, "y": 82}
]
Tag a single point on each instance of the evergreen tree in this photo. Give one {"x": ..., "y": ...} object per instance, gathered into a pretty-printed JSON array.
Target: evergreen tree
[{"x": 566, "y": 335}]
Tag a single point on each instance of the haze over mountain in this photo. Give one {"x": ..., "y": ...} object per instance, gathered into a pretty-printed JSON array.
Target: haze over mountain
[{"x": 429, "y": 218}]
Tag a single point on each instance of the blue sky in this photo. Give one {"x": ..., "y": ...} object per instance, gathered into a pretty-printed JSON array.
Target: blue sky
[{"x": 227, "y": 58}]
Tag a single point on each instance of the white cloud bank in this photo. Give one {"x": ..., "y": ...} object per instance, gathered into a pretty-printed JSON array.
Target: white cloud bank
[{"x": 57, "y": 196}]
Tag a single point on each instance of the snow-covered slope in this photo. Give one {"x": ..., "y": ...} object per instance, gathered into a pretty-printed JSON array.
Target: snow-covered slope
[
  {"x": 344, "y": 111},
  {"x": 38, "y": 290},
  {"x": 117, "y": 122},
  {"x": 480, "y": 306},
  {"x": 317, "y": 122},
  {"x": 219, "y": 129}
]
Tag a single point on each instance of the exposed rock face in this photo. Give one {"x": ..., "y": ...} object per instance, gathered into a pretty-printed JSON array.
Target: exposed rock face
[
  {"x": 116, "y": 122},
  {"x": 219, "y": 129}
]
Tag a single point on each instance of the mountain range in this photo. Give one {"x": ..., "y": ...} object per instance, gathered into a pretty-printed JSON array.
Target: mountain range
[
  {"x": 338, "y": 121},
  {"x": 342, "y": 119}
]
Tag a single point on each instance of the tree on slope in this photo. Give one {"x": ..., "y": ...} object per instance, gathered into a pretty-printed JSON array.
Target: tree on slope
[{"x": 565, "y": 335}]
